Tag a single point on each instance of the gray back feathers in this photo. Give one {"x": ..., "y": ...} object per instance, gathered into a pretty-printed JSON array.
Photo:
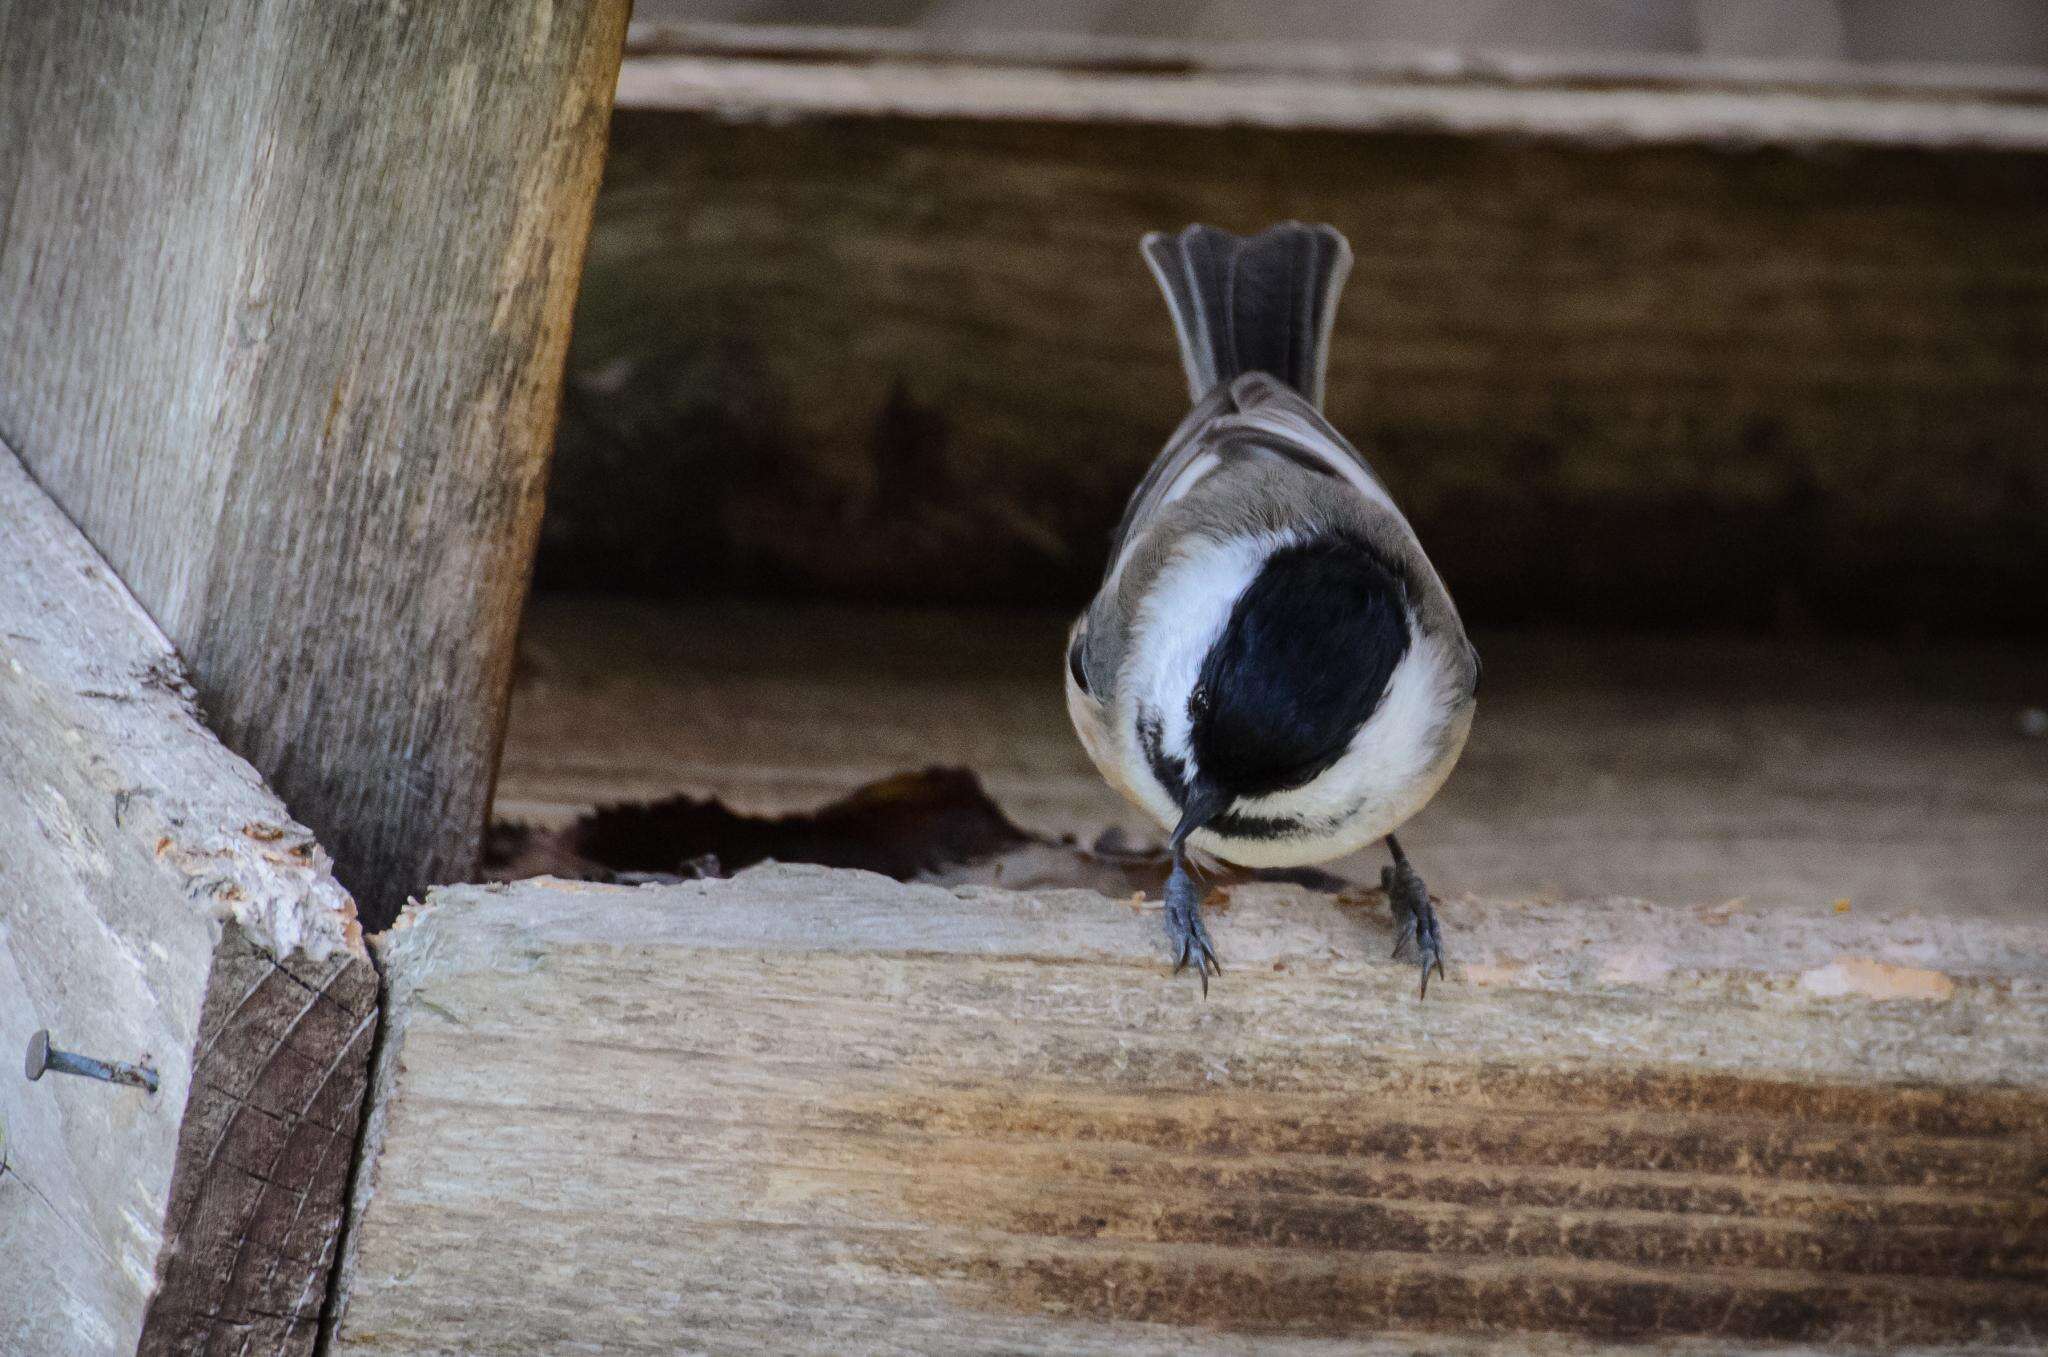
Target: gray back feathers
[
  {"x": 1262, "y": 303},
  {"x": 1255, "y": 453}
]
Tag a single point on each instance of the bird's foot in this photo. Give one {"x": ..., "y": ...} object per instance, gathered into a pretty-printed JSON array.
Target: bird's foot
[
  {"x": 1186, "y": 935},
  {"x": 1416, "y": 935}
]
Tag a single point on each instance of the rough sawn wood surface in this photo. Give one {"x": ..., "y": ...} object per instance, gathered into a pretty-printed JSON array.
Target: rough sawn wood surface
[{"x": 807, "y": 1111}]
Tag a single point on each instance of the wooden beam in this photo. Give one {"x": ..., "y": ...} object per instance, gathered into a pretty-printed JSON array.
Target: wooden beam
[
  {"x": 774, "y": 89},
  {"x": 1459, "y": 54},
  {"x": 1479, "y": 88},
  {"x": 817, "y": 1111},
  {"x": 905, "y": 360},
  {"x": 287, "y": 287},
  {"x": 161, "y": 905}
]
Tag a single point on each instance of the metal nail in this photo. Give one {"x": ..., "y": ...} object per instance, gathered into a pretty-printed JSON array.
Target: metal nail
[{"x": 43, "y": 1056}]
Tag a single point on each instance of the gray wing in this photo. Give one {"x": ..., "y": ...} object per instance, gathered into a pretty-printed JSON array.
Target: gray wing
[
  {"x": 1254, "y": 419},
  {"x": 1270, "y": 417},
  {"x": 1182, "y": 464},
  {"x": 1254, "y": 416}
]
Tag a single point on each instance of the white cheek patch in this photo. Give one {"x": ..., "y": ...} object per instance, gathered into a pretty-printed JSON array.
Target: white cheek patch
[
  {"x": 1298, "y": 433},
  {"x": 1183, "y": 615}
]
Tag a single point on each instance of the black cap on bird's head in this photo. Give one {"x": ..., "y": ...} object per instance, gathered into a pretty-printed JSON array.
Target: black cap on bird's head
[{"x": 1301, "y": 664}]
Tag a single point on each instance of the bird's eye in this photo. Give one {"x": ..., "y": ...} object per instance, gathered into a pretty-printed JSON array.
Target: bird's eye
[
  {"x": 1074, "y": 665},
  {"x": 1198, "y": 702}
]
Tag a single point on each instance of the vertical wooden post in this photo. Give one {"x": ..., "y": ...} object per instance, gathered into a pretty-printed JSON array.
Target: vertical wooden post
[{"x": 285, "y": 287}]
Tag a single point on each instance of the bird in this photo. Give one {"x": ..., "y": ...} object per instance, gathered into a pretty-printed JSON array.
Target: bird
[{"x": 1271, "y": 668}]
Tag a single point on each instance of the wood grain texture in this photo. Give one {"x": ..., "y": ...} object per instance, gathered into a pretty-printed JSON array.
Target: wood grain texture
[
  {"x": 2001, "y": 46},
  {"x": 813, "y": 1111},
  {"x": 287, "y": 286},
  {"x": 157, "y": 903},
  {"x": 270, "y": 1137},
  {"x": 904, "y": 359},
  {"x": 773, "y": 88}
]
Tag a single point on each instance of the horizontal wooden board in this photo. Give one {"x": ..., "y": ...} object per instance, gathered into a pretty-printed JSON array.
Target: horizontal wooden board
[
  {"x": 952, "y": 66},
  {"x": 1993, "y": 47},
  {"x": 815, "y": 1111},
  {"x": 905, "y": 359}
]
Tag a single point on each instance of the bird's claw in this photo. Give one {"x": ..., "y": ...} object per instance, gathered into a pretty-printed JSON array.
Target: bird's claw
[
  {"x": 1416, "y": 933},
  {"x": 1186, "y": 935}
]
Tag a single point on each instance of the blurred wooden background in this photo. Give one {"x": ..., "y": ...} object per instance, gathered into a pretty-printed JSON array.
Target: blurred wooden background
[{"x": 1644, "y": 329}]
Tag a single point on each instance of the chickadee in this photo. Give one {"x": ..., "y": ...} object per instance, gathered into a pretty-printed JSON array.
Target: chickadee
[{"x": 1271, "y": 668}]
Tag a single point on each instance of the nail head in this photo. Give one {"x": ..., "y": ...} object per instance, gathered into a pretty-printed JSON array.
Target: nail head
[{"x": 38, "y": 1055}]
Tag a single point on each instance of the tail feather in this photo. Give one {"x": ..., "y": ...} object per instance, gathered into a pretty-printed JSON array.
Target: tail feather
[{"x": 1260, "y": 303}]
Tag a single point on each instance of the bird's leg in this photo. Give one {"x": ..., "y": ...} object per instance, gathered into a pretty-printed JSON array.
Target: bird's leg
[
  {"x": 1186, "y": 935},
  {"x": 1415, "y": 928}
]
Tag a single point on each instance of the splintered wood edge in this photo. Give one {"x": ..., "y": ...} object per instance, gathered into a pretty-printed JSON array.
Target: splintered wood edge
[
  {"x": 264, "y": 1106},
  {"x": 1713, "y": 1088},
  {"x": 113, "y": 683}
]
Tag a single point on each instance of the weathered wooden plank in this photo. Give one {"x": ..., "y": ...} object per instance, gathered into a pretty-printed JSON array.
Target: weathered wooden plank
[
  {"x": 815, "y": 1111},
  {"x": 1525, "y": 80},
  {"x": 1443, "y": 48},
  {"x": 286, "y": 288},
  {"x": 157, "y": 902},
  {"x": 764, "y": 88},
  {"x": 921, "y": 360}
]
